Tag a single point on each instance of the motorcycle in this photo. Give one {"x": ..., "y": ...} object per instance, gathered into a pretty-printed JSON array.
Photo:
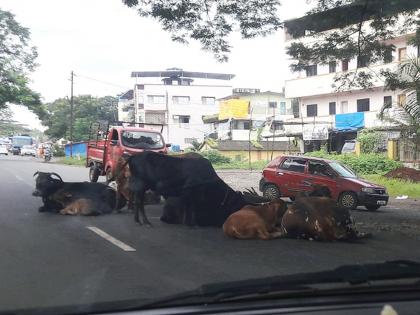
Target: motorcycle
[{"x": 47, "y": 155}]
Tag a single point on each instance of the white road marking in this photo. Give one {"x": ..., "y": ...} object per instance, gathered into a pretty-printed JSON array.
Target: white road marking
[
  {"x": 22, "y": 180},
  {"x": 111, "y": 239}
]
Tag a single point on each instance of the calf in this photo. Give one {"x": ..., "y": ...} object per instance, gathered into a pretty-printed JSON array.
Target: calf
[
  {"x": 256, "y": 222},
  {"x": 208, "y": 200},
  {"x": 57, "y": 194},
  {"x": 318, "y": 218}
]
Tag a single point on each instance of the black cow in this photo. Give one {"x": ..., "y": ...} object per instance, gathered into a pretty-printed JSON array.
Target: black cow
[
  {"x": 57, "y": 194},
  {"x": 208, "y": 200}
]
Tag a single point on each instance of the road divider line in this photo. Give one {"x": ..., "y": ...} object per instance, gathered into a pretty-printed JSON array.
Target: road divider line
[{"x": 111, "y": 239}]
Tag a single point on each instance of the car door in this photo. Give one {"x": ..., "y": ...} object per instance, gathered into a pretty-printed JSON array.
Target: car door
[
  {"x": 322, "y": 174},
  {"x": 290, "y": 173}
]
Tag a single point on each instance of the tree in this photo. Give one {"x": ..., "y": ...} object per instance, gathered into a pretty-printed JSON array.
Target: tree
[
  {"x": 407, "y": 114},
  {"x": 211, "y": 22},
  {"x": 17, "y": 60},
  {"x": 87, "y": 109},
  {"x": 357, "y": 29}
]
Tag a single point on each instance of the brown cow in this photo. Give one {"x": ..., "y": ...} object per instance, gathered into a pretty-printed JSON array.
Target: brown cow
[
  {"x": 256, "y": 222},
  {"x": 318, "y": 218}
]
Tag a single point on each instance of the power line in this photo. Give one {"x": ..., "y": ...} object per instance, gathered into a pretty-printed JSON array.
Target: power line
[{"x": 101, "y": 81}]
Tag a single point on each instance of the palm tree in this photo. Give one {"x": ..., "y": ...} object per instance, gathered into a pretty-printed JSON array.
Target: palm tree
[{"x": 406, "y": 116}]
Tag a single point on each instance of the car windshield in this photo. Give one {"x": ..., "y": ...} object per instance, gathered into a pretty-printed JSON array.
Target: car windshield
[
  {"x": 342, "y": 170},
  {"x": 142, "y": 140},
  {"x": 156, "y": 147}
]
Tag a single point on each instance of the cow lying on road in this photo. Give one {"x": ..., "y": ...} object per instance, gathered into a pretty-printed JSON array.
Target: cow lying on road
[
  {"x": 256, "y": 222},
  {"x": 208, "y": 200},
  {"x": 318, "y": 218},
  {"x": 57, "y": 195}
]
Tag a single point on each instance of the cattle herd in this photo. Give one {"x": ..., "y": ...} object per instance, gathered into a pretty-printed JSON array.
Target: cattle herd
[{"x": 196, "y": 196}]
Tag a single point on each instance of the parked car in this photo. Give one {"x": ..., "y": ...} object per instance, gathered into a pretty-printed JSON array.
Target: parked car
[
  {"x": 288, "y": 175},
  {"x": 28, "y": 150},
  {"x": 349, "y": 146},
  {"x": 3, "y": 149}
]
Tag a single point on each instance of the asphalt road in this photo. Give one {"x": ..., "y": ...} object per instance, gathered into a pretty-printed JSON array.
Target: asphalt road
[{"x": 52, "y": 260}]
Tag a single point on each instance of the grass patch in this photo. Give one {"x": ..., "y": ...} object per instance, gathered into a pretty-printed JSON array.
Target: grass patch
[
  {"x": 242, "y": 165},
  {"x": 396, "y": 187},
  {"x": 72, "y": 161}
]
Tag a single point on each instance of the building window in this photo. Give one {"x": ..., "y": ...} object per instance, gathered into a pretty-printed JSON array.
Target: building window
[
  {"x": 190, "y": 140},
  {"x": 401, "y": 99},
  {"x": 332, "y": 66},
  {"x": 154, "y": 117},
  {"x": 156, "y": 99},
  {"x": 388, "y": 56},
  {"x": 388, "y": 101},
  {"x": 362, "y": 61},
  {"x": 140, "y": 86},
  {"x": 182, "y": 100},
  {"x": 276, "y": 125},
  {"x": 140, "y": 106},
  {"x": 282, "y": 108},
  {"x": 272, "y": 104},
  {"x": 207, "y": 100},
  {"x": 363, "y": 105},
  {"x": 402, "y": 54},
  {"x": 241, "y": 124},
  {"x": 312, "y": 110},
  {"x": 344, "y": 65},
  {"x": 181, "y": 119},
  {"x": 332, "y": 108},
  {"x": 311, "y": 70},
  {"x": 295, "y": 108}
]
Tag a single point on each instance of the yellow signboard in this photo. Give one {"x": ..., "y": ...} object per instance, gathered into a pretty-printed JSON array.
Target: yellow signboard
[{"x": 233, "y": 108}]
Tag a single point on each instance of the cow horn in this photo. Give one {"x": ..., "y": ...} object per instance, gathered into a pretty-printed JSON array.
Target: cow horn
[
  {"x": 59, "y": 177},
  {"x": 36, "y": 173}
]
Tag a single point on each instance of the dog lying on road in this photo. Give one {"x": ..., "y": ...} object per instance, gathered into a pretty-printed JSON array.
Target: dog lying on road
[{"x": 256, "y": 222}]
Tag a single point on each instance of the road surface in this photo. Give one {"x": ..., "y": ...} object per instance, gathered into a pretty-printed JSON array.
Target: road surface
[{"x": 53, "y": 260}]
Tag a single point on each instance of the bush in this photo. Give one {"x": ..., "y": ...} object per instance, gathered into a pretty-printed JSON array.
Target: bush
[
  {"x": 370, "y": 141},
  {"x": 215, "y": 157},
  {"x": 57, "y": 151},
  {"x": 370, "y": 163}
]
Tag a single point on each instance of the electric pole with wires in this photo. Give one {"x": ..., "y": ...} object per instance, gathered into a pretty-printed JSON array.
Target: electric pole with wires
[{"x": 71, "y": 114}]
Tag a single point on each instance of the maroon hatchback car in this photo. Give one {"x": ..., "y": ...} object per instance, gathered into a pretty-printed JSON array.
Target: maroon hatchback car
[{"x": 287, "y": 175}]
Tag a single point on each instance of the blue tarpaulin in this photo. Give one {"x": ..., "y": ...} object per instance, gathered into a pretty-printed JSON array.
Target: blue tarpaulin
[{"x": 350, "y": 121}]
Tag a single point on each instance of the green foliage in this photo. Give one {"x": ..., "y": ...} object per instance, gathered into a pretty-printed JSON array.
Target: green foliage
[
  {"x": 241, "y": 165},
  {"x": 17, "y": 60},
  {"x": 87, "y": 109},
  {"x": 215, "y": 157},
  {"x": 396, "y": 187},
  {"x": 73, "y": 161},
  {"x": 370, "y": 163},
  {"x": 211, "y": 22},
  {"x": 357, "y": 29},
  {"x": 58, "y": 151},
  {"x": 370, "y": 140}
]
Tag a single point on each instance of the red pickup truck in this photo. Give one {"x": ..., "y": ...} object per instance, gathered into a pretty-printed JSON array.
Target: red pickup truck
[{"x": 103, "y": 154}]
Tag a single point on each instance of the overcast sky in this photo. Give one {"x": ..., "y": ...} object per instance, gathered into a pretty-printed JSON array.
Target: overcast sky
[{"x": 105, "y": 40}]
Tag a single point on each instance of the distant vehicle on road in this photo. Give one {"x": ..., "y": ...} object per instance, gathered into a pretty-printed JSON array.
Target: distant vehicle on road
[
  {"x": 28, "y": 150},
  {"x": 288, "y": 175},
  {"x": 3, "y": 150},
  {"x": 19, "y": 141},
  {"x": 122, "y": 138}
]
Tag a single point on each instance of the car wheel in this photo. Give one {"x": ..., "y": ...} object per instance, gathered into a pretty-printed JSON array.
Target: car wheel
[
  {"x": 271, "y": 191},
  {"x": 372, "y": 208},
  {"x": 348, "y": 200},
  {"x": 93, "y": 174}
]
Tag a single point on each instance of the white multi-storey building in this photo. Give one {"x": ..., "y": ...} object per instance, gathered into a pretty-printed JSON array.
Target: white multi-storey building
[
  {"x": 178, "y": 100},
  {"x": 318, "y": 106}
]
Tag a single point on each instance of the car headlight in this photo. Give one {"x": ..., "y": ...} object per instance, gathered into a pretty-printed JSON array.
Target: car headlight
[{"x": 368, "y": 190}]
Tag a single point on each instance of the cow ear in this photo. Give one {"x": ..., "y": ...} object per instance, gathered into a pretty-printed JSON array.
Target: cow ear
[
  {"x": 36, "y": 173},
  {"x": 56, "y": 175}
]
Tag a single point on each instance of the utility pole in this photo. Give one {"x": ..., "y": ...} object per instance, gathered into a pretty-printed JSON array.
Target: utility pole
[{"x": 71, "y": 114}]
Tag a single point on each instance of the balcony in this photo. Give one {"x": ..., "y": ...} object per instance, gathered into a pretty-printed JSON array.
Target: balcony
[{"x": 322, "y": 84}]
